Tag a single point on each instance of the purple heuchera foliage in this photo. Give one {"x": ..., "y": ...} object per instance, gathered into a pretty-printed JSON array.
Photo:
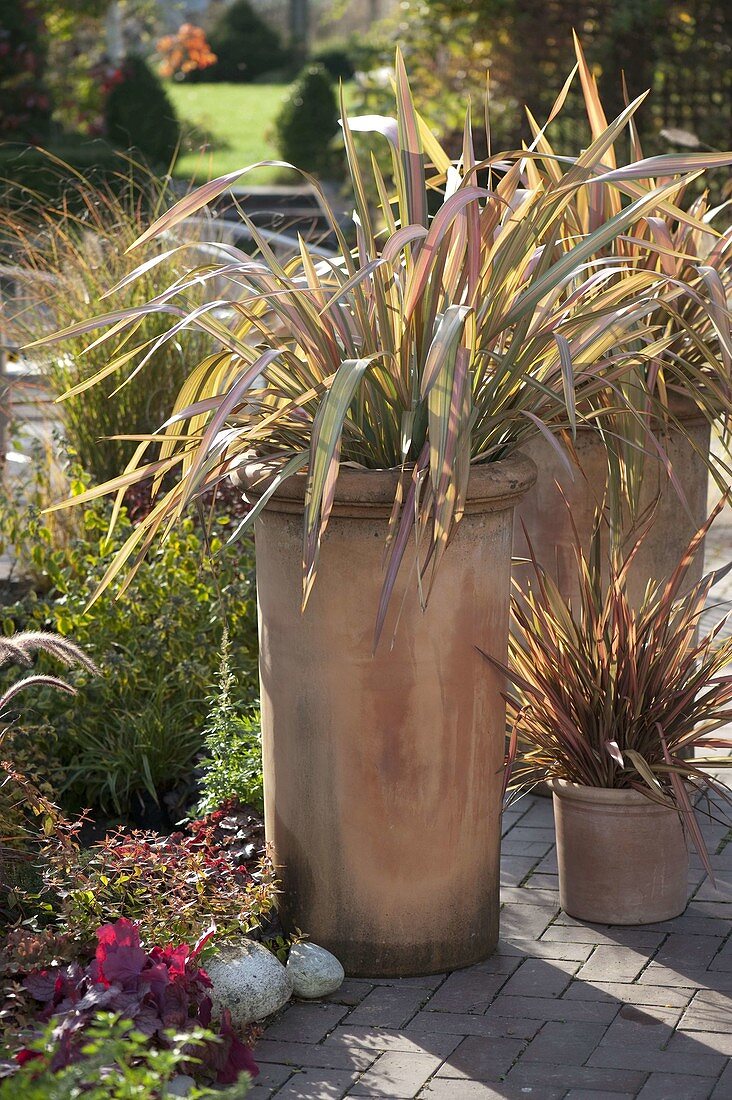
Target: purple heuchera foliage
[{"x": 157, "y": 989}]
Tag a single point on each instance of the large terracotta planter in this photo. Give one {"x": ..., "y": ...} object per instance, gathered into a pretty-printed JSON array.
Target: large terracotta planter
[
  {"x": 547, "y": 521},
  {"x": 622, "y": 858},
  {"x": 383, "y": 772}
]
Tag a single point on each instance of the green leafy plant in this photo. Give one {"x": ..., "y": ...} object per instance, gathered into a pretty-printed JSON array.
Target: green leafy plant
[
  {"x": 611, "y": 697},
  {"x": 442, "y": 340},
  {"x": 232, "y": 767},
  {"x": 308, "y": 121},
  {"x": 26, "y": 812},
  {"x": 139, "y": 114},
  {"x": 176, "y": 886},
  {"x": 140, "y": 725},
  {"x": 245, "y": 46},
  {"x": 63, "y": 255},
  {"x": 117, "y": 1063}
]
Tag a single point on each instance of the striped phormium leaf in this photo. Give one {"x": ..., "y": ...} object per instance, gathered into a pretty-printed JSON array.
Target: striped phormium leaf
[{"x": 465, "y": 313}]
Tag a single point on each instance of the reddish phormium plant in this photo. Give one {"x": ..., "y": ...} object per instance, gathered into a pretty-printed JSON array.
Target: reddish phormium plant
[
  {"x": 610, "y": 696},
  {"x": 158, "y": 989}
]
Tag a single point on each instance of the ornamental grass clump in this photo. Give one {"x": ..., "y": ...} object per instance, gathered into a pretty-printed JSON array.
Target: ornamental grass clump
[
  {"x": 608, "y": 696},
  {"x": 460, "y": 323},
  {"x": 60, "y": 259}
]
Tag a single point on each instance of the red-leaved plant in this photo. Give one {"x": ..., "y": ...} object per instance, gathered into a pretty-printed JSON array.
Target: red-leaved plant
[
  {"x": 608, "y": 695},
  {"x": 163, "y": 988}
]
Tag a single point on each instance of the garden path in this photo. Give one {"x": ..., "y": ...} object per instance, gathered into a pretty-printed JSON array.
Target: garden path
[{"x": 564, "y": 1009}]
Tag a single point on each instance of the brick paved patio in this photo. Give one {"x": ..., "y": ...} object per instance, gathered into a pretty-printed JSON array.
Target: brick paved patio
[{"x": 563, "y": 1009}]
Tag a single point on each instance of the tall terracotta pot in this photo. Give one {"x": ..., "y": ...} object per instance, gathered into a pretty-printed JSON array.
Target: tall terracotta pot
[
  {"x": 383, "y": 771},
  {"x": 547, "y": 521},
  {"x": 622, "y": 858}
]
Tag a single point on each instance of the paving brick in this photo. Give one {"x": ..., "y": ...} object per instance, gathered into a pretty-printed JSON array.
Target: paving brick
[
  {"x": 514, "y": 869},
  {"x": 595, "y": 1094},
  {"x": 500, "y": 964},
  {"x": 315, "y": 1055},
  {"x": 564, "y": 1043},
  {"x": 512, "y": 847},
  {"x": 686, "y": 952},
  {"x": 650, "y": 1026},
  {"x": 718, "y": 910},
  {"x": 525, "y": 921},
  {"x": 547, "y": 1008},
  {"x": 323, "y": 1084},
  {"x": 540, "y": 815},
  {"x": 675, "y": 1086},
  {"x": 613, "y": 964},
  {"x": 465, "y": 991},
  {"x": 457, "y": 1024},
  {"x": 723, "y": 1087},
  {"x": 550, "y": 949},
  {"x": 722, "y": 891},
  {"x": 396, "y": 1075},
  {"x": 637, "y": 1058},
  {"x": 693, "y": 925},
  {"x": 481, "y": 1059},
  {"x": 259, "y": 1092},
  {"x": 692, "y": 1041},
  {"x": 371, "y": 1041},
  {"x": 656, "y": 974},
  {"x": 723, "y": 960},
  {"x": 548, "y": 865},
  {"x": 540, "y": 978},
  {"x": 708, "y": 1011},
  {"x": 427, "y": 981},
  {"x": 635, "y": 938},
  {"x": 519, "y": 895},
  {"x": 306, "y": 1023},
  {"x": 531, "y": 836},
  {"x": 543, "y": 883},
  {"x": 451, "y": 1089},
  {"x": 351, "y": 992},
  {"x": 543, "y": 1075},
  {"x": 629, "y": 993},
  {"x": 272, "y": 1076},
  {"x": 388, "y": 1006}
]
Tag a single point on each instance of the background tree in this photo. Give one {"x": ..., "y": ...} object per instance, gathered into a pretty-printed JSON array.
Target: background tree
[{"x": 680, "y": 49}]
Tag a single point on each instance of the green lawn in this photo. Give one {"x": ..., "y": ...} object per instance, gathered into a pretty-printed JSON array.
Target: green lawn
[{"x": 227, "y": 126}]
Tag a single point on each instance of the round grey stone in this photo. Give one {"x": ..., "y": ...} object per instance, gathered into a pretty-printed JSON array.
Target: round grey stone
[
  {"x": 314, "y": 971},
  {"x": 248, "y": 980}
]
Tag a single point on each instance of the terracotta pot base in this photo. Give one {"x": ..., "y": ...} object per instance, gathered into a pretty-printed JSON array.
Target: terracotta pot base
[{"x": 622, "y": 858}]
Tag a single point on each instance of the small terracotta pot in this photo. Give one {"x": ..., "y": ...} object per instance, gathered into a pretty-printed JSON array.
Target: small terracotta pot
[
  {"x": 383, "y": 772},
  {"x": 622, "y": 858},
  {"x": 548, "y": 523}
]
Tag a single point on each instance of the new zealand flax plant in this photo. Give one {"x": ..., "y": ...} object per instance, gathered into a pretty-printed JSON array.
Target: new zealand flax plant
[
  {"x": 688, "y": 241},
  {"x": 608, "y": 696},
  {"x": 437, "y": 341}
]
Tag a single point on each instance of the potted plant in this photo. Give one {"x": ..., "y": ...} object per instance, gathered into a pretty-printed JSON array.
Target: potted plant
[
  {"x": 373, "y": 405},
  {"x": 684, "y": 392},
  {"x": 608, "y": 698}
]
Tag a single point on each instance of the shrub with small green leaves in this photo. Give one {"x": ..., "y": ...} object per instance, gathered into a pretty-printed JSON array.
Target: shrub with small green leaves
[
  {"x": 138, "y": 726},
  {"x": 245, "y": 46},
  {"x": 140, "y": 114},
  {"x": 308, "y": 122},
  {"x": 233, "y": 745}
]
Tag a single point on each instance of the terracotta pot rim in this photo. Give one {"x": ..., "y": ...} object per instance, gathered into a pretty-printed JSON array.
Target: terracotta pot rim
[
  {"x": 493, "y": 486},
  {"x": 603, "y": 796}
]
